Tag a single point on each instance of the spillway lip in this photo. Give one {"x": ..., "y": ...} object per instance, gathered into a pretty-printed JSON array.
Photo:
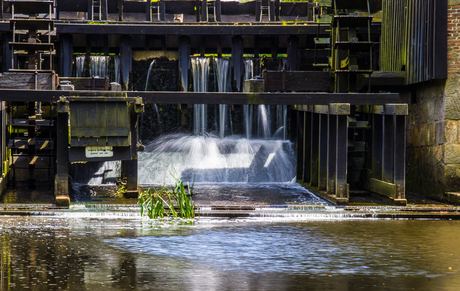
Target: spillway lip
[{"x": 257, "y": 210}]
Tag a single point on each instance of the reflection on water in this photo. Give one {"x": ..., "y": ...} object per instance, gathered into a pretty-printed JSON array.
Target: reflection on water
[{"x": 59, "y": 253}]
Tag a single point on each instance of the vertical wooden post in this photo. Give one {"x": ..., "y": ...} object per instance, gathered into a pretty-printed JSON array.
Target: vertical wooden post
[
  {"x": 105, "y": 10},
  {"x": 120, "y": 10},
  {"x": 322, "y": 110},
  {"x": 90, "y": 10},
  {"x": 162, "y": 10},
  {"x": 341, "y": 190},
  {"x": 218, "y": 11},
  {"x": 184, "y": 62},
  {"x": 61, "y": 181},
  {"x": 332, "y": 151},
  {"x": 66, "y": 55},
  {"x": 307, "y": 146},
  {"x": 204, "y": 10},
  {"x": 377, "y": 142},
  {"x": 258, "y": 9},
  {"x": 126, "y": 60},
  {"x": 388, "y": 148},
  {"x": 338, "y": 151},
  {"x": 8, "y": 55},
  {"x": 293, "y": 54},
  {"x": 300, "y": 144},
  {"x": 237, "y": 62},
  {"x": 400, "y": 157},
  {"x": 314, "y": 165},
  {"x": 129, "y": 167}
]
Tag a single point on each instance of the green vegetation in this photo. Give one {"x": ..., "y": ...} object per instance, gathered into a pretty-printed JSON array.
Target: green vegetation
[{"x": 166, "y": 202}]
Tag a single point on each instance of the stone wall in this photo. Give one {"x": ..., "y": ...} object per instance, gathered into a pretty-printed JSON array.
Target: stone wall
[{"x": 433, "y": 139}]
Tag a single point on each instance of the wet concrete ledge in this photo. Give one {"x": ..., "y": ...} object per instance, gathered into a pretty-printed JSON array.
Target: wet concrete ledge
[{"x": 245, "y": 210}]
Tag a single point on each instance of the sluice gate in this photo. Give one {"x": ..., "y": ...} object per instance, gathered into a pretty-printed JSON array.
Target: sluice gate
[{"x": 321, "y": 59}]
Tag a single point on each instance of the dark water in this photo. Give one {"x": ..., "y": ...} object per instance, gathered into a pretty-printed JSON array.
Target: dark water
[{"x": 96, "y": 251}]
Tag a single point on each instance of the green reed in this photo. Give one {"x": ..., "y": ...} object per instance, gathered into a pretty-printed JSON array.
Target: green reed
[{"x": 167, "y": 202}]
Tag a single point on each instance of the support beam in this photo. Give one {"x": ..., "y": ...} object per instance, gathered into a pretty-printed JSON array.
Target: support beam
[
  {"x": 323, "y": 151},
  {"x": 307, "y": 146},
  {"x": 300, "y": 128},
  {"x": 129, "y": 167},
  {"x": 293, "y": 60},
  {"x": 315, "y": 136},
  {"x": 332, "y": 151},
  {"x": 237, "y": 63},
  {"x": 126, "y": 60},
  {"x": 61, "y": 182},
  {"x": 8, "y": 55},
  {"x": 341, "y": 186},
  {"x": 66, "y": 54},
  {"x": 184, "y": 62}
]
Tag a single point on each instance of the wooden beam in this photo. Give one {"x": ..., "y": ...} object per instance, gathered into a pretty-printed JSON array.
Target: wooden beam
[
  {"x": 190, "y": 29},
  {"x": 210, "y": 97}
]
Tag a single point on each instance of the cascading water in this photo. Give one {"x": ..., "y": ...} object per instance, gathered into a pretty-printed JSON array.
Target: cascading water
[
  {"x": 200, "y": 71},
  {"x": 222, "y": 69},
  {"x": 99, "y": 66},
  {"x": 206, "y": 158}
]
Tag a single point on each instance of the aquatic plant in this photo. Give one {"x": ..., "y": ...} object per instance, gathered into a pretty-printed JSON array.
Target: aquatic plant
[{"x": 165, "y": 202}]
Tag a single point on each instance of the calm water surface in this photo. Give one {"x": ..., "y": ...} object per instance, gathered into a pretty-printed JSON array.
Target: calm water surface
[{"x": 78, "y": 252}]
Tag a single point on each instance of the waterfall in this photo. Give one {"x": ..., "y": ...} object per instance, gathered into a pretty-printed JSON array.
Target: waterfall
[
  {"x": 248, "y": 109},
  {"x": 222, "y": 72},
  {"x": 99, "y": 67},
  {"x": 200, "y": 71}
]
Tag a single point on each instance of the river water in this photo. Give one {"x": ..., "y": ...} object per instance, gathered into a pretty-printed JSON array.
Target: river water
[{"x": 84, "y": 250}]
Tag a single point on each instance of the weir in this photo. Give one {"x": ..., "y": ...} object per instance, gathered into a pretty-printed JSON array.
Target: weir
[{"x": 296, "y": 92}]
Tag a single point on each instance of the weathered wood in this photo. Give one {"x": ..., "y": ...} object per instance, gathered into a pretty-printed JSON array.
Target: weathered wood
[
  {"x": 299, "y": 81},
  {"x": 66, "y": 55},
  {"x": 180, "y": 29},
  {"x": 210, "y": 97},
  {"x": 28, "y": 80},
  {"x": 88, "y": 83}
]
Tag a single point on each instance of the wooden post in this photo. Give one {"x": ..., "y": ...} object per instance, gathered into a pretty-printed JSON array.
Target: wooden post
[
  {"x": 66, "y": 55},
  {"x": 218, "y": 8},
  {"x": 184, "y": 62},
  {"x": 204, "y": 10},
  {"x": 8, "y": 55},
  {"x": 314, "y": 164},
  {"x": 237, "y": 62},
  {"x": 90, "y": 10},
  {"x": 126, "y": 60},
  {"x": 293, "y": 54},
  {"x": 338, "y": 151},
  {"x": 388, "y": 148},
  {"x": 300, "y": 144},
  {"x": 307, "y": 146},
  {"x": 104, "y": 10},
  {"x": 377, "y": 142},
  {"x": 258, "y": 9},
  {"x": 120, "y": 10},
  {"x": 341, "y": 190},
  {"x": 322, "y": 110},
  {"x": 129, "y": 167},
  {"x": 332, "y": 152},
  {"x": 400, "y": 158},
  {"x": 61, "y": 181}
]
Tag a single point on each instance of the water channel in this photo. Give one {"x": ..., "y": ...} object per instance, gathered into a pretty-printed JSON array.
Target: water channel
[{"x": 85, "y": 250}]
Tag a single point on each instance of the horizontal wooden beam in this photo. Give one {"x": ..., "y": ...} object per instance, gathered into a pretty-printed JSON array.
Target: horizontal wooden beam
[
  {"x": 209, "y": 97},
  {"x": 190, "y": 29}
]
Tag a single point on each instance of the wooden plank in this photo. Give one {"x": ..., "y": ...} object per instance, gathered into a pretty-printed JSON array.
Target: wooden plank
[
  {"x": 383, "y": 188},
  {"x": 88, "y": 83},
  {"x": 299, "y": 81},
  {"x": 191, "y": 29},
  {"x": 209, "y": 97}
]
